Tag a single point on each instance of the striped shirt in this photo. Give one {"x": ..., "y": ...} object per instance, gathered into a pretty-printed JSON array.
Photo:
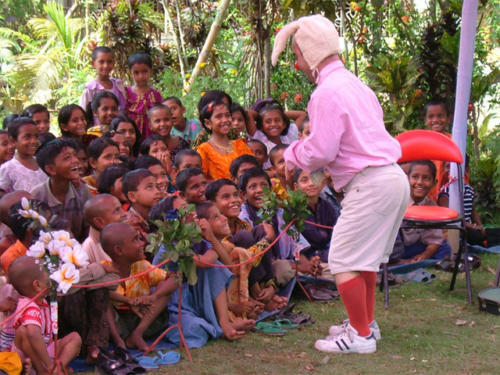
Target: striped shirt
[{"x": 469, "y": 196}]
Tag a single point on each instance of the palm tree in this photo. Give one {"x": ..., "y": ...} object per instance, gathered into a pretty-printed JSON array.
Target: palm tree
[{"x": 48, "y": 56}]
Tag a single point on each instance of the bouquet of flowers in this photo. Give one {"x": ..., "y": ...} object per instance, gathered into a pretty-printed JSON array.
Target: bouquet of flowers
[{"x": 60, "y": 254}]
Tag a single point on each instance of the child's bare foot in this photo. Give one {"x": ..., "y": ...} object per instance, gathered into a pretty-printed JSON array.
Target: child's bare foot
[
  {"x": 229, "y": 332},
  {"x": 135, "y": 341},
  {"x": 92, "y": 354},
  {"x": 276, "y": 302},
  {"x": 27, "y": 366},
  {"x": 244, "y": 325}
]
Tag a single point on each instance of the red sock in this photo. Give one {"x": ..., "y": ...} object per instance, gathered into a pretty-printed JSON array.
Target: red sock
[
  {"x": 371, "y": 286},
  {"x": 353, "y": 294}
]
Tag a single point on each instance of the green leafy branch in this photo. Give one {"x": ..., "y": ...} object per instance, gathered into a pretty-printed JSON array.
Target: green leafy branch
[
  {"x": 294, "y": 208},
  {"x": 177, "y": 233}
]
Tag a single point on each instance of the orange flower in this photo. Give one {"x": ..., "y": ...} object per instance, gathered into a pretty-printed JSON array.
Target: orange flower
[
  {"x": 283, "y": 95},
  {"x": 298, "y": 98},
  {"x": 357, "y": 8},
  {"x": 405, "y": 19},
  {"x": 418, "y": 93}
]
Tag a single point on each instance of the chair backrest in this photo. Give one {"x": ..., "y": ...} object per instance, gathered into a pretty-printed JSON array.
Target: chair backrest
[{"x": 427, "y": 144}]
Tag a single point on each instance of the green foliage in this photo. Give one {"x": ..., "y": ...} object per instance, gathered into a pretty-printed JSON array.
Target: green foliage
[
  {"x": 397, "y": 78},
  {"x": 485, "y": 177},
  {"x": 177, "y": 235},
  {"x": 294, "y": 207}
]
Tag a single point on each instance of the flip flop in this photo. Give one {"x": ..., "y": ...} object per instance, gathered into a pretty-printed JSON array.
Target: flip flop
[
  {"x": 148, "y": 362},
  {"x": 168, "y": 358},
  {"x": 271, "y": 329},
  {"x": 286, "y": 323}
]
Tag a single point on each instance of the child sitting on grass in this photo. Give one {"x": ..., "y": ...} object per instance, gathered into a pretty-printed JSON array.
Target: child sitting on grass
[
  {"x": 104, "y": 108},
  {"x": 259, "y": 150},
  {"x": 58, "y": 159},
  {"x": 253, "y": 184},
  {"x": 22, "y": 171},
  {"x": 138, "y": 306},
  {"x": 187, "y": 129},
  {"x": 423, "y": 243},
  {"x": 241, "y": 164},
  {"x": 110, "y": 182},
  {"x": 184, "y": 159},
  {"x": 7, "y": 147},
  {"x": 40, "y": 115},
  {"x": 160, "y": 122},
  {"x": 156, "y": 168},
  {"x": 102, "y": 153},
  {"x": 139, "y": 187},
  {"x": 323, "y": 213},
  {"x": 99, "y": 211},
  {"x": 205, "y": 312},
  {"x": 191, "y": 184},
  {"x": 278, "y": 168},
  {"x": 33, "y": 324},
  {"x": 21, "y": 229}
]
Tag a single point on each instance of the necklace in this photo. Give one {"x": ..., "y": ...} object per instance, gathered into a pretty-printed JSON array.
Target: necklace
[{"x": 227, "y": 149}]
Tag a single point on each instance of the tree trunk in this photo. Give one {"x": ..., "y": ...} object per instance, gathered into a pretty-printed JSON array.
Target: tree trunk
[
  {"x": 169, "y": 29},
  {"x": 267, "y": 66},
  {"x": 209, "y": 42}
]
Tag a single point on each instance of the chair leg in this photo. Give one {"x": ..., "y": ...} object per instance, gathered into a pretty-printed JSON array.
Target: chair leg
[
  {"x": 385, "y": 279},
  {"x": 497, "y": 277},
  {"x": 462, "y": 251}
]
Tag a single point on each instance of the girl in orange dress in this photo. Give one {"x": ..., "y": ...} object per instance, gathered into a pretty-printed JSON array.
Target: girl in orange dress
[{"x": 219, "y": 151}]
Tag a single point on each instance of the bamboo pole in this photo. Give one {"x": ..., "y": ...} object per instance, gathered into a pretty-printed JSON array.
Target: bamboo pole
[{"x": 209, "y": 42}]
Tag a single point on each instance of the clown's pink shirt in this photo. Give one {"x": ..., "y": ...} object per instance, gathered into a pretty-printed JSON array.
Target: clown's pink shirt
[{"x": 347, "y": 129}]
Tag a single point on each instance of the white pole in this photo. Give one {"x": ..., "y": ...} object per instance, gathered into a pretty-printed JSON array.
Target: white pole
[{"x": 464, "y": 80}]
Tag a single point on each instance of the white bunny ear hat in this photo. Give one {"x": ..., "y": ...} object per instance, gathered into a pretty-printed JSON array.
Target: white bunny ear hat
[{"x": 315, "y": 35}]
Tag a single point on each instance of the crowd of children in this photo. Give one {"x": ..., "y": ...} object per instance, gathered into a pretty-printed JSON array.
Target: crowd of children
[{"x": 126, "y": 156}]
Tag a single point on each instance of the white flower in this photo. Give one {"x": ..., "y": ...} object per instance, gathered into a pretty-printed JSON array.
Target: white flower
[
  {"x": 35, "y": 215},
  {"x": 75, "y": 255},
  {"x": 37, "y": 250},
  {"x": 43, "y": 221},
  {"x": 65, "y": 277},
  {"x": 45, "y": 237},
  {"x": 61, "y": 235},
  {"x": 24, "y": 213},
  {"x": 56, "y": 247},
  {"x": 25, "y": 204}
]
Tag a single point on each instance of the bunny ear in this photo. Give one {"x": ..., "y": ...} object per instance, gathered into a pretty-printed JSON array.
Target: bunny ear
[{"x": 282, "y": 38}]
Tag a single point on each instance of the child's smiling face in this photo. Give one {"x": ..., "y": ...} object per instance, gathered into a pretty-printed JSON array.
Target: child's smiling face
[
  {"x": 66, "y": 165},
  {"x": 195, "y": 189},
  {"x": 436, "y": 118},
  {"x": 161, "y": 122},
  {"x": 27, "y": 140},
  {"x": 421, "y": 182},
  {"x": 255, "y": 190},
  {"x": 228, "y": 201},
  {"x": 272, "y": 123},
  {"x": 103, "y": 64}
]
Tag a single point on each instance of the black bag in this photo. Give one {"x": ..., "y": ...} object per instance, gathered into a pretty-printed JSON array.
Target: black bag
[{"x": 489, "y": 300}]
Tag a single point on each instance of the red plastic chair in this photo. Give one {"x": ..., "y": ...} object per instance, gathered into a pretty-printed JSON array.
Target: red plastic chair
[{"x": 431, "y": 145}]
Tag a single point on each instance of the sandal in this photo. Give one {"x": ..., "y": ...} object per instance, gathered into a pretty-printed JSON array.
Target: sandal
[
  {"x": 110, "y": 365},
  {"x": 286, "y": 323},
  {"x": 271, "y": 329},
  {"x": 168, "y": 358},
  {"x": 129, "y": 360}
]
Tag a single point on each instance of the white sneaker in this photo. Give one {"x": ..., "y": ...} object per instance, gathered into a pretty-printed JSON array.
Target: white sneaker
[
  {"x": 348, "y": 342},
  {"x": 337, "y": 330}
]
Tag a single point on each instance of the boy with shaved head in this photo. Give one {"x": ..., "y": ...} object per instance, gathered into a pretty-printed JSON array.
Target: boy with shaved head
[
  {"x": 32, "y": 323},
  {"x": 138, "y": 307},
  {"x": 100, "y": 211}
]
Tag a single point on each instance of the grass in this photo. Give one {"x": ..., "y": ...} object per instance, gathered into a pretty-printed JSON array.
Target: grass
[{"x": 426, "y": 330}]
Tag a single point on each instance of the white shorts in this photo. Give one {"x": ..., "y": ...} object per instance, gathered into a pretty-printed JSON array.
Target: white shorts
[{"x": 372, "y": 210}]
